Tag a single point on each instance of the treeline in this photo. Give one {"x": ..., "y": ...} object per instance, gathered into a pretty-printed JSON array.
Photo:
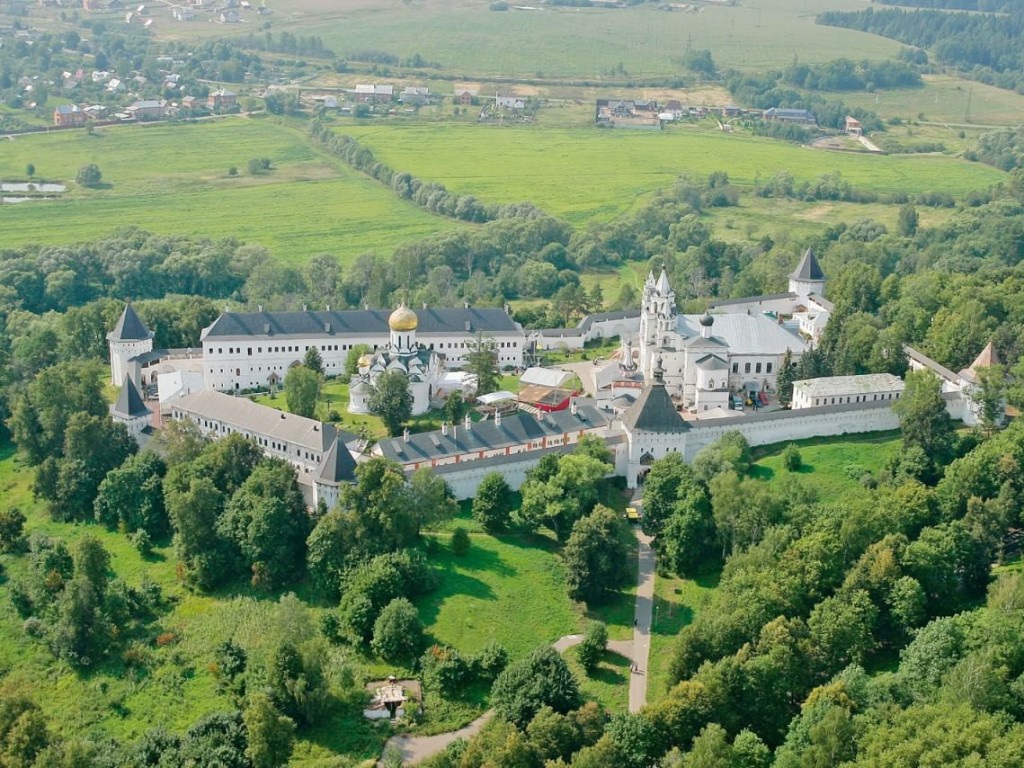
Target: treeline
[
  {"x": 430, "y": 195},
  {"x": 1003, "y": 149},
  {"x": 985, "y": 6},
  {"x": 985, "y": 47},
  {"x": 768, "y": 89},
  {"x": 847, "y": 75},
  {"x": 286, "y": 42}
]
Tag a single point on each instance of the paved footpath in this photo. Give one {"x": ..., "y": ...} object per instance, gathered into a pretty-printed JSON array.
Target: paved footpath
[
  {"x": 416, "y": 748},
  {"x": 642, "y": 622}
]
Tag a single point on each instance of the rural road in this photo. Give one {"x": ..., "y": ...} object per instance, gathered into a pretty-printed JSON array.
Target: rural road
[{"x": 416, "y": 748}]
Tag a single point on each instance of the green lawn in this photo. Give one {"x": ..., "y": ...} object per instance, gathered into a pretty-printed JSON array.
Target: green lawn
[
  {"x": 831, "y": 466},
  {"x": 676, "y": 603},
  {"x": 508, "y": 588},
  {"x": 585, "y": 174},
  {"x": 608, "y": 685},
  {"x": 174, "y": 179}
]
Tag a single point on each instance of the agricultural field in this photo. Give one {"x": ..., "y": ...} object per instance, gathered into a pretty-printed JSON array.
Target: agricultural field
[
  {"x": 587, "y": 173},
  {"x": 174, "y": 179},
  {"x": 944, "y": 99},
  {"x": 466, "y": 38}
]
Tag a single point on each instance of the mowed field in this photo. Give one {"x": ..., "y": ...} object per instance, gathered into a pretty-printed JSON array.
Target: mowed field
[
  {"x": 464, "y": 36},
  {"x": 174, "y": 179},
  {"x": 588, "y": 173},
  {"x": 944, "y": 99}
]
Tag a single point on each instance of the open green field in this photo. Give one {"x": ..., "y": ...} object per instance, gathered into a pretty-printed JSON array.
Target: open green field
[
  {"x": 944, "y": 99},
  {"x": 465, "y": 37},
  {"x": 588, "y": 173},
  {"x": 676, "y": 604},
  {"x": 173, "y": 179},
  {"x": 831, "y": 466}
]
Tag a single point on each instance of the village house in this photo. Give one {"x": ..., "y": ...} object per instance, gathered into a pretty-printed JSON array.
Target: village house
[
  {"x": 853, "y": 126},
  {"x": 222, "y": 99},
  {"x": 464, "y": 98},
  {"x": 509, "y": 102},
  {"x": 798, "y": 116},
  {"x": 374, "y": 94},
  {"x": 147, "y": 109},
  {"x": 414, "y": 96},
  {"x": 69, "y": 115}
]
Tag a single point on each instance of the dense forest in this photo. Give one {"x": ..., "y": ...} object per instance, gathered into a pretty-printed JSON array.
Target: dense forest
[{"x": 985, "y": 47}]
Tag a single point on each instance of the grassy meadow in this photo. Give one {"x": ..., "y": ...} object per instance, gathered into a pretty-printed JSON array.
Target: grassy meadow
[
  {"x": 588, "y": 173},
  {"x": 174, "y": 179},
  {"x": 463, "y": 36}
]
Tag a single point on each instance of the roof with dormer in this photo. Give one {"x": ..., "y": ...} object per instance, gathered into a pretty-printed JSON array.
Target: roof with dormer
[
  {"x": 809, "y": 268},
  {"x": 327, "y": 324},
  {"x": 129, "y": 403},
  {"x": 129, "y": 327}
]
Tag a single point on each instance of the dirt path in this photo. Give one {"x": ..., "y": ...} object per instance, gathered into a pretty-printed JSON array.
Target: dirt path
[{"x": 416, "y": 748}]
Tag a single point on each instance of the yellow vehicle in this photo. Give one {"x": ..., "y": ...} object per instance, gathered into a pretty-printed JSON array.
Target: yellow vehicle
[{"x": 633, "y": 514}]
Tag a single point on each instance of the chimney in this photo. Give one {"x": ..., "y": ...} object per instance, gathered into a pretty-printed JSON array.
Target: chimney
[
  {"x": 305, "y": 308},
  {"x": 260, "y": 307},
  {"x": 366, "y": 306},
  {"x": 467, "y": 423},
  {"x": 497, "y": 418},
  {"x": 405, "y": 434},
  {"x": 424, "y": 305},
  {"x": 465, "y": 303},
  {"x": 572, "y": 406},
  {"x": 328, "y": 307},
  {"x": 444, "y": 428}
]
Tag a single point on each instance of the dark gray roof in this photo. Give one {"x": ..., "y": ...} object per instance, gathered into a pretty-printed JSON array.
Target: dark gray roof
[
  {"x": 809, "y": 268},
  {"x": 654, "y": 412},
  {"x": 600, "y": 317},
  {"x": 338, "y": 465},
  {"x": 367, "y": 321},
  {"x": 560, "y": 332},
  {"x": 497, "y": 462},
  {"x": 516, "y": 429},
  {"x": 129, "y": 327},
  {"x": 129, "y": 402},
  {"x": 753, "y": 299},
  {"x": 712, "y": 363}
]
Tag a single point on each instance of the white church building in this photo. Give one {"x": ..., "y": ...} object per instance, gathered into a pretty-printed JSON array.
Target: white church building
[{"x": 422, "y": 366}]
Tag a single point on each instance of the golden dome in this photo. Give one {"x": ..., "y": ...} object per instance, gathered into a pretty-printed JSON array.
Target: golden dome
[
  {"x": 364, "y": 361},
  {"x": 403, "y": 319}
]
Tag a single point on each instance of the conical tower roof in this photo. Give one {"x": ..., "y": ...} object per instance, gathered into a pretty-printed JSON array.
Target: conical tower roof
[
  {"x": 987, "y": 358},
  {"x": 338, "y": 465},
  {"x": 809, "y": 268},
  {"x": 663, "y": 286},
  {"x": 129, "y": 327},
  {"x": 654, "y": 410},
  {"x": 129, "y": 403}
]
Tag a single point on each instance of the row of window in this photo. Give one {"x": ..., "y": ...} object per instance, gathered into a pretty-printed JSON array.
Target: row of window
[
  {"x": 757, "y": 367},
  {"x": 856, "y": 399},
  {"x": 346, "y": 347},
  {"x": 263, "y": 442}
]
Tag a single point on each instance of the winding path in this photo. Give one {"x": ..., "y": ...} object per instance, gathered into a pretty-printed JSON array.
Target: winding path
[{"x": 637, "y": 650}]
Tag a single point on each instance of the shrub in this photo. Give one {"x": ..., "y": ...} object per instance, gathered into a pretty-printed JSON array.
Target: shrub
[
  {"x": 592, "y": 648},
  {"x": 490, "y": 661},
  {"x": 460, "y": 542},
  {"x": 445, "y": 670},
  {"x": 233, "y": 170},
  {"x": 791, "y": 458},
  {"x": 88, "y": 175},
  {"x": 397, "y": 632}
]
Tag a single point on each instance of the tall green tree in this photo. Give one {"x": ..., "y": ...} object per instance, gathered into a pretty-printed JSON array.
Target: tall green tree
[
  {"x": 540, "y": 679},
  {"x": 596, "y": 556},
  {"x": 924, "y": 422},
  {"x": 784, "y": 379},
  {"x": 271, "y": 735},
  {"x": 302, "y": 390},
  {"x": 482, "y": 363},
  {"x": 313, "y": 361},
  {"x": 392, "y": 400},
  {"x": 267, "y": 520},
  {"x": 492, "y": 505}
]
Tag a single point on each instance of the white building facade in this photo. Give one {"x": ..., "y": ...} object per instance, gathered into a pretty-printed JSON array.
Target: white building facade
[{"x": 242, "y": 350}]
